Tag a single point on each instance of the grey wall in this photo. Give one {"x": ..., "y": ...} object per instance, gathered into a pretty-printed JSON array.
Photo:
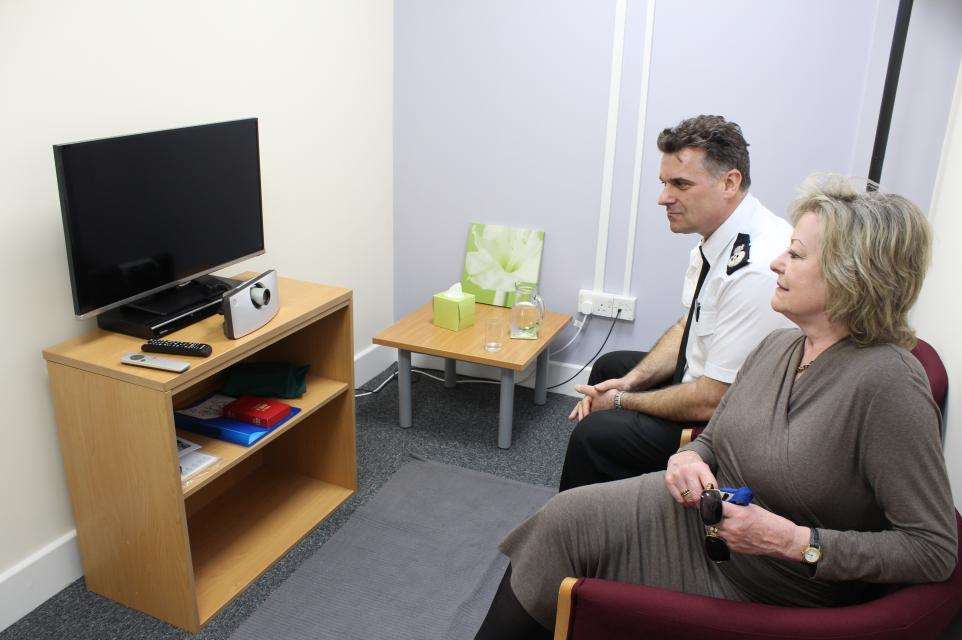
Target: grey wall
[{"x": 500, "y": 114}]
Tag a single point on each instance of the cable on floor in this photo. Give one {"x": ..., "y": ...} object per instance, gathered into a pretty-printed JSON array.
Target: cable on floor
[
  {"x": 423, "y": 373},
  {"x": 379, "y": 387}
]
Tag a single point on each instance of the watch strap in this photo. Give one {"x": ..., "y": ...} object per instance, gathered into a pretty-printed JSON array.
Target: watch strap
[{"x": 618, "y": 400}]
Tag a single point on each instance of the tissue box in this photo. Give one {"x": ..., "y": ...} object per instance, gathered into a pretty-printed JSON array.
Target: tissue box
[{"x": 453, "y": 313}]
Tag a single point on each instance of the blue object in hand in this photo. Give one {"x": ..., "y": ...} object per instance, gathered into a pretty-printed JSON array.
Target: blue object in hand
[{"x": 740, "y": 496}]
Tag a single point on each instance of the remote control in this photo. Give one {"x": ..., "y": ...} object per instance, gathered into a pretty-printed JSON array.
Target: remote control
[
  {"x": 177, "y": 348},
  {"x": 143, "y": 360}
]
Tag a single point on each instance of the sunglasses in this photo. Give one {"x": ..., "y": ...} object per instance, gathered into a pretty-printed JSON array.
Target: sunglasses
[{"x": 711, "y": 514}]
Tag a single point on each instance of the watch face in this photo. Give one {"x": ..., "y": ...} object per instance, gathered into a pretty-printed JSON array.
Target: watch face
[{"x": 812, "y": 555}]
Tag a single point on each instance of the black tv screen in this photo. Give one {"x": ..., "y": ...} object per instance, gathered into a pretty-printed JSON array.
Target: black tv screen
[{"x": 145, "y": 212}]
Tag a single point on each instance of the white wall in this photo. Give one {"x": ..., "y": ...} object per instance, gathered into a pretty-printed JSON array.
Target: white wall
[
  {"x": 318, "y": 75},
  {"x": 939, "y": 307}
]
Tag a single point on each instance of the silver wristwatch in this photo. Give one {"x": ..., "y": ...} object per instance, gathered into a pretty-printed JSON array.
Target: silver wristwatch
[{"x": 618, "y": 400}]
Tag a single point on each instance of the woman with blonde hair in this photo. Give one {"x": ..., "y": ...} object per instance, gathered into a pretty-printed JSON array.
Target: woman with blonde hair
[{"x": 832, "y": 426}]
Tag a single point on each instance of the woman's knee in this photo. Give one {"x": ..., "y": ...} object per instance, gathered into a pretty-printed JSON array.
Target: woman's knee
[{"x": 565, "y": 510}]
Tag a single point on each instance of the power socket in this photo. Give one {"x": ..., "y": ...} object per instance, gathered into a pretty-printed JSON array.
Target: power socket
[{"x": 607, "y": 305}]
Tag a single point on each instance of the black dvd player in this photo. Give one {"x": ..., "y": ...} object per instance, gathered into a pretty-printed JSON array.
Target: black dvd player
[
  {"x": 170, "y": 310},
  {"x": 143, "y": 324}
]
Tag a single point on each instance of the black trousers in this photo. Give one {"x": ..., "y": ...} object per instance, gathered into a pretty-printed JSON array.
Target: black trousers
[{"x": 613, "y": 445}]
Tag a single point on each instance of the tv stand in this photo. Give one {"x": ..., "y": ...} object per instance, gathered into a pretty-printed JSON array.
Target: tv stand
[
  {"x": 181, "y": 551},
  {"x": 168, "y": 310}
]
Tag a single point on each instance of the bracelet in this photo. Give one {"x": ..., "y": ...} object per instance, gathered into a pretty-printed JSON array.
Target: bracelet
[{"x": 618, "y": 400}]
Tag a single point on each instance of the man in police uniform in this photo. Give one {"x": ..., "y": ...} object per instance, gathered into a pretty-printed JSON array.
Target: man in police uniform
[{"x": 636, "y": 405}]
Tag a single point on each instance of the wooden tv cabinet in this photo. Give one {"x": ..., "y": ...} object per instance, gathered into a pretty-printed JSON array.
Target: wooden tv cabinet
[{"x": 181, "y": 552}]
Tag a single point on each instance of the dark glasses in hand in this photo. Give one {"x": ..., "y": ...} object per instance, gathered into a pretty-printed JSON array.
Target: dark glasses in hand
[{"x": 710, "y": 508}]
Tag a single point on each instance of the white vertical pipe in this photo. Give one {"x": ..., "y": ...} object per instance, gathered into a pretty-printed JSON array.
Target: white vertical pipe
[
  {"x": 639, "y": 144},
  {"x": 611, "y": 136}
]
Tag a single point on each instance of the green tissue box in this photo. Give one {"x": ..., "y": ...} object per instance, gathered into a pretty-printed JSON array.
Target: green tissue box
[{"x": 452, "y": 313}]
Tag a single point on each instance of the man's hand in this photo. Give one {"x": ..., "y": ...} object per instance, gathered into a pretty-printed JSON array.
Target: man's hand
[
  {"x": 625, "y": 383},
  {"x": 594, "y": 400},
  {"x": 686, "y": 476},
  {"x": 757, "y": 531}
]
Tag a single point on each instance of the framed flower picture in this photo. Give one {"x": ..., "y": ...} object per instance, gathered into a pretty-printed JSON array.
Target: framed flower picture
[{"x": 498, "y": 257}]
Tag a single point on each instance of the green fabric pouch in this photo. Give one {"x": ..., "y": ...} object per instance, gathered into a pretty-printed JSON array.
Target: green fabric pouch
[{"x": 270, "y": 379}]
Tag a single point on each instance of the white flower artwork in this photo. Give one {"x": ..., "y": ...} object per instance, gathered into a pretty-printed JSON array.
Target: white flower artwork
[{"x": 497, "y": 258}]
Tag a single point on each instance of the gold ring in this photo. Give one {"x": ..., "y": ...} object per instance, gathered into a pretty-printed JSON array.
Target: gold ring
[{"x": 684, "y": 494}]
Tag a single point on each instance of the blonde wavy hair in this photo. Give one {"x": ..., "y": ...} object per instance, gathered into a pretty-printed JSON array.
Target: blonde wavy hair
[{"x": 875, "y": 250}]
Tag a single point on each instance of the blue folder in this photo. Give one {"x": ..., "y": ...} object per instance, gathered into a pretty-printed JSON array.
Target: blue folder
[{"x": 242, "y": 433}]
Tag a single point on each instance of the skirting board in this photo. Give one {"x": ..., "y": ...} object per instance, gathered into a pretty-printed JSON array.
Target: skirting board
[
  {"x": 376, "y": 359},
  {"x": 372, "y": 361},
  {"x": 29, "y": 583}
]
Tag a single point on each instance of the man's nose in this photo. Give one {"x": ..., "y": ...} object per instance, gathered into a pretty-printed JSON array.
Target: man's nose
[{"x": 664, "y": 198}]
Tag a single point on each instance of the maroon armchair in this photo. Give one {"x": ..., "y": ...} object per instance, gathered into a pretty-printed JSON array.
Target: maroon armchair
[{"x": 592, "y": 609}]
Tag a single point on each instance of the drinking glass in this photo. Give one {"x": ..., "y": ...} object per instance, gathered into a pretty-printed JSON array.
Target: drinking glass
[{"x": 493, "y": 334}]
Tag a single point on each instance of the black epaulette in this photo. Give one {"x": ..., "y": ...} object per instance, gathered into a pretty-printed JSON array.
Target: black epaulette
[{"x": 739, "y": 255}]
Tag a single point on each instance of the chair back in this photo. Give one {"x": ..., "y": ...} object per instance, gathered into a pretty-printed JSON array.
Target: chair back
[{"x": 938, "y": 377}]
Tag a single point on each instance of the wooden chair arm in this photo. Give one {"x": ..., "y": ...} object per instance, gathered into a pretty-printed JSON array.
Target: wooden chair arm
[
  {"x": 685, "y": 437},
  {"x": 563, "y": 618}
]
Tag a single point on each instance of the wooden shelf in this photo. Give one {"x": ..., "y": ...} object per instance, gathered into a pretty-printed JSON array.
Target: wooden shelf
[
  {"x": 320, "y": 391},
  {"x": 179, "y": 551},
  {"x": 237, "y": 537}
]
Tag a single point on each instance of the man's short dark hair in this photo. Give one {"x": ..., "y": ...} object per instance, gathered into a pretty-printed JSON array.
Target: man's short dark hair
[{"x": 723, "y": 142}]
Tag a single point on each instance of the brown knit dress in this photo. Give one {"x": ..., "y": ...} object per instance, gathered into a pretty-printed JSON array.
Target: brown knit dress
[{"x": 850, "y": 447}]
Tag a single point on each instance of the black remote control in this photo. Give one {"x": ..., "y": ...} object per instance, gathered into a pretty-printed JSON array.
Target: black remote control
[{"x": 177, "y": 348}]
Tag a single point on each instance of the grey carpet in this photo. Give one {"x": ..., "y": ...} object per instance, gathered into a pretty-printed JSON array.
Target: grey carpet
[{"x": 418, "y": 561}]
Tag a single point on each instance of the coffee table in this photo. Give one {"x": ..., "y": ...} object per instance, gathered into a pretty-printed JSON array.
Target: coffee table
[{"x": 416, "y": 333}]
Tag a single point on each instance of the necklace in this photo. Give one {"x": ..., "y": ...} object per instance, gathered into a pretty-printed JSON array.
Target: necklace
[{"x": 802, "y": 367}]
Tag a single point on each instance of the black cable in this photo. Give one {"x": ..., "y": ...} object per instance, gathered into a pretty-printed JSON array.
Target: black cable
[{"x": 613, "y": 321}]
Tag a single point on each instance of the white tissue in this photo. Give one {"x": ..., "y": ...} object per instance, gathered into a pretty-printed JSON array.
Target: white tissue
[{"x": 455, "y": 292}]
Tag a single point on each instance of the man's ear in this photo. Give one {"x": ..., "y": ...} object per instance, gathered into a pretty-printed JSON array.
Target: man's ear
[{"x": 733, "y": 183}]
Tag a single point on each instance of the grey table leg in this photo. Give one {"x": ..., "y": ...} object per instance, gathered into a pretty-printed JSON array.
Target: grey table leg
[
  {"x": 541, "y": 379},
  {"x": 507, "y": 408},
  {"x": 450, "y": 373},
  {"x": 404, "y": 387}
]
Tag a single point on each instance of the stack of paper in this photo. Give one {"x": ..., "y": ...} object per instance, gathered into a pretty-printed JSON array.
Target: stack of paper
[{"x": 191, "y": 459}]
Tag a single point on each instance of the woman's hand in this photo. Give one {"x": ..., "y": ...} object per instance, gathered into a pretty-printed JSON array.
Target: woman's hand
[
  {"x": 756, "y": 531},
  {"x": 686, "y": 476}
]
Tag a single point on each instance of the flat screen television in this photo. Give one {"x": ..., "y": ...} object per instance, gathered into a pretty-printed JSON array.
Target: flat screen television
[{"x": 147, "y": 212}]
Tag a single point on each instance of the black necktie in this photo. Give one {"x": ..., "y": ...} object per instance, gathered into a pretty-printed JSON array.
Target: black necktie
[{"x": 682, "y": 360}]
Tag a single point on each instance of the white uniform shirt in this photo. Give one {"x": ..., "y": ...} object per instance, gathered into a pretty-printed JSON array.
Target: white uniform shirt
[{"x": 735, "y": 311}]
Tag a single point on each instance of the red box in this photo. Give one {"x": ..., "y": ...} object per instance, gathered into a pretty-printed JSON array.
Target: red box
[{"x": 264, "y": 412}]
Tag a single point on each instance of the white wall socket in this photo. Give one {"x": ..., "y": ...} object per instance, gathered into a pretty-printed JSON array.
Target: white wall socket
[{"x": 605, "y": 305}]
